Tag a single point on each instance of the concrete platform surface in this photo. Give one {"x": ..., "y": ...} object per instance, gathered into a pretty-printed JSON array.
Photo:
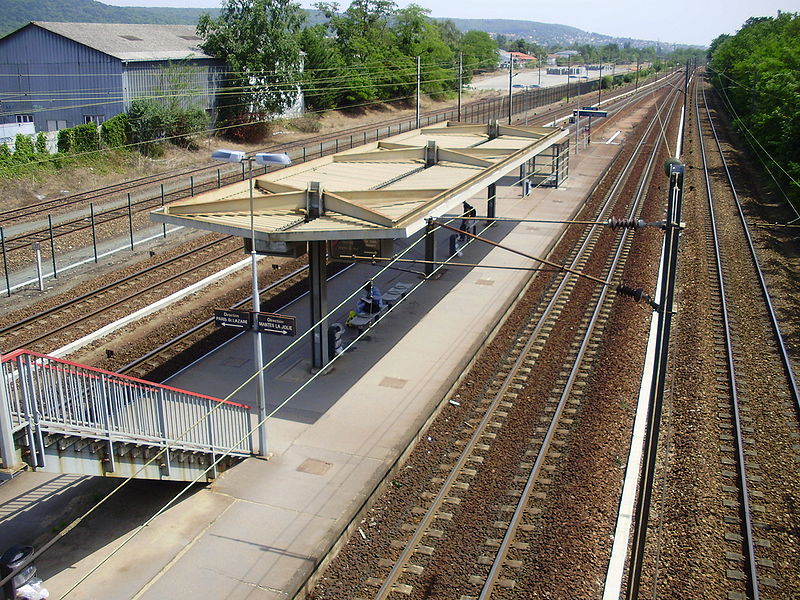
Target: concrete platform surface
[{"x": 261, "y": 528}]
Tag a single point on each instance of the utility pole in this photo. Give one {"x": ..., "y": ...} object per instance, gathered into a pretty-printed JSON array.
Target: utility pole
[
  {"x": 510, "y": 75},
  {"x": 613, "y": 70},
  {"x": 685, "y": 97},
  {"x": 540, "y": 71},
  {"x": 460, "y": 85},
  {"x": 569, "y": 68},
  {"x": 599, "y": 83},
  {"x": 666, "y": 289},
  {"x": 637, "y": 73},
  {"x": 418, "y": 90}
]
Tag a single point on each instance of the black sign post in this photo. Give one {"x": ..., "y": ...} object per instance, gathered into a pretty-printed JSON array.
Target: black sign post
[
  {"x": 275, "y": 323},
  {"x": 238, "y": 319}
]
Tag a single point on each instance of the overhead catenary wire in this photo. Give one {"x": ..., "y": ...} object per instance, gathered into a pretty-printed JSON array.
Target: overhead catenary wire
[
  {"x": 751, "y": 136},
  {"x": 270, "y": 415}
]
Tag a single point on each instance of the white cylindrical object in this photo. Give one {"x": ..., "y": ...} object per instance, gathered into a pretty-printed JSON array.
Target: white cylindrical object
[{"x": 37, "y": 249}]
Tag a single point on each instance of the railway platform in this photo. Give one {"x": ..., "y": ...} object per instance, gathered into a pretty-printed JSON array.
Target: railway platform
[{"x": 262, "y": 527}]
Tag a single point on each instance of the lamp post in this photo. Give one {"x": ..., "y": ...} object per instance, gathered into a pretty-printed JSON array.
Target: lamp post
[{"x": 261, "y": 158}]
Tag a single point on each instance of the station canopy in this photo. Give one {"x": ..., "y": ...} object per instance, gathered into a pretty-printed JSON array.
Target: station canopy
[{"x": 383, "y": 190}]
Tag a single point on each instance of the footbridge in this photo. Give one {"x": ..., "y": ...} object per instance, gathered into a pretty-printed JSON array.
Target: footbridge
[{"x": 63, "y": 417}]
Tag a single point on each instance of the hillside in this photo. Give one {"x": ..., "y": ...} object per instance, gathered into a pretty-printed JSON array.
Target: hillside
[
  {"x": 549, "y": 34},
  {"x": 16, "y": 13}
]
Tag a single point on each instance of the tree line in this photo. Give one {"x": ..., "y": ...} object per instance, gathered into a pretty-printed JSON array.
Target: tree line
[
  {"x": 757, "y": 74},
  {"x": 364, "y": 54}
]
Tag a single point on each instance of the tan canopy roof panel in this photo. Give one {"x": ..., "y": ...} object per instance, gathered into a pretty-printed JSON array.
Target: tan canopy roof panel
[{"x": 381, "y": 190}]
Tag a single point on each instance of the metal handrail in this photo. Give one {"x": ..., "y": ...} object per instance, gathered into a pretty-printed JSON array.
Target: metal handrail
[{"x": 47, "y": 395}]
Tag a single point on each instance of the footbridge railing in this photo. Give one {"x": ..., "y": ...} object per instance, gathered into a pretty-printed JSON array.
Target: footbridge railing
[{"x": 61, "y": 416}]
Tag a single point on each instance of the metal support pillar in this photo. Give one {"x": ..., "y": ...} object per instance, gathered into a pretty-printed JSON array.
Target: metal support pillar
[
  {"x": 460, "y": 84},
  {"x": 490, "y": 204},
  {"x": 669, "y": 264},
  {"x": 430, "y": 248},
  {"x": 419, "y": 78},
  {"x": 510, "y": 89},
  {"x": 317, "y": 268}
]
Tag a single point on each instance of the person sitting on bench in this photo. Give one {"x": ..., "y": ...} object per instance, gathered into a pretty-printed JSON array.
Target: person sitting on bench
[{"x": 371, "y": 303}]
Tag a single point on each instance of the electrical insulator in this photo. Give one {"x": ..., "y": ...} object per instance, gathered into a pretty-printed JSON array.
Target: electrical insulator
[
  {"x": 626, "y": 223},
  {"x": 637, "y": 294}
]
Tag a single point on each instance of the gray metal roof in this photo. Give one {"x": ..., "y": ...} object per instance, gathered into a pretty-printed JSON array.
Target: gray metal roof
[{"x": 132, "y": 42}]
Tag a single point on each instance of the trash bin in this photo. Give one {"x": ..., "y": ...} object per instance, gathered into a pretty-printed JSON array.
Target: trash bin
[
  {"x": 335, "y": 342},
  {"x": 11, "y": 560}
]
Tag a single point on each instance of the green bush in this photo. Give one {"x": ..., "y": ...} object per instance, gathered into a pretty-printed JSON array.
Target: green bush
[
  {"x": 64, "y": 142},
  {"x": 184, "y": 123},
  {"x": 85, "y": 138},
  {"x": 23, "y": 149},
  {"x": 148, "y": 126},
  {"x": 5, "y": 159},
  {"x": 41, "y": 144},
  {"x": 114, "y": 132}
]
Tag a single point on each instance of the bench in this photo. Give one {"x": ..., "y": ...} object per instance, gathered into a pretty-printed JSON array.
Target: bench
[{"x": 397, "y": 291}]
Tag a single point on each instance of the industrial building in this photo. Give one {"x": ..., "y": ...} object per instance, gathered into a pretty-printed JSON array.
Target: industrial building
[{"x": 58, "y": 75}]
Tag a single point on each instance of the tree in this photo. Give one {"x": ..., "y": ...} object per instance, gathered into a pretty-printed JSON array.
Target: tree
[
  {"x": 758, "y": 74},
  {"x": 370, "y": 48},
  {"x": 450, "y": 34},
  {"x": 479, "y": 51},
  {"x": 258, "y": 39},
  {"x": 329, "y": 82},
  {"x": 418, "y": 35}
]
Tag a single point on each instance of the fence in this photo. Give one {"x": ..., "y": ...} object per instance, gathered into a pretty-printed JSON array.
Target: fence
[{"x": 213, "y": 177}]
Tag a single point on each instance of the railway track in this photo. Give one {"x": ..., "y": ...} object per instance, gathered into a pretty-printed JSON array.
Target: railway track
[
  {"x": 211, "y": 176},
  {"x": 186, "y": 347},
  {"x": 142, "y": 198},
  {"x": 464, "y": 536},
  {"x": 724, "y": 518},
  {"x": 757, "y": 420},
  {"x": 47, "y": 329}
]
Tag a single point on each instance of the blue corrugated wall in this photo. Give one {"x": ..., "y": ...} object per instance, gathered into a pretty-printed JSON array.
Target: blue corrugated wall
[{"x": 60, "y": 81}]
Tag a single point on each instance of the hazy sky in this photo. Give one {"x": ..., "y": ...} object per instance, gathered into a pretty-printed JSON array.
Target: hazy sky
[{"x": 680, "y": 21}]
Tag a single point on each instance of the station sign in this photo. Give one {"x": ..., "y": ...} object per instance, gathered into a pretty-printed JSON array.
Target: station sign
[
  {"x": 275, "y": 323},
  {"x": 238, "y": 319},
  {"x": 260, "y": 321},
  {"x": 591, "y": 112}
]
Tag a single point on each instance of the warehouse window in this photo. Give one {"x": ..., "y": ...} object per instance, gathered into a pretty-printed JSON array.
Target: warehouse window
[
  {"x": 24, "y": 118},
  {"x": 96, "y": 119}
]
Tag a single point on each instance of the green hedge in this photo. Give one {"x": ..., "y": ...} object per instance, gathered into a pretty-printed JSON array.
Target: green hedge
[
  {"x": 85, "y": 138},
  {"x": 114, "y": 132},
  {"x": 23, "y": 149},
  {"x": 65, "y": 141}
]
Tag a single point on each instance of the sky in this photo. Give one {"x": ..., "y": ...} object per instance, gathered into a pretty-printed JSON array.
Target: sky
[{"x": 676, "y": 21}]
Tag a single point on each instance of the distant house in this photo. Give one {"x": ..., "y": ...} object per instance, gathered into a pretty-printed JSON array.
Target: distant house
[
  {"x": 521, "y": 57},
  {"x": 58, "y": 75}
]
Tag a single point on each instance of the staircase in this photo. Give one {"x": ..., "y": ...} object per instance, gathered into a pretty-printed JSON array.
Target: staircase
[{"x": 63, "y": 417}]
